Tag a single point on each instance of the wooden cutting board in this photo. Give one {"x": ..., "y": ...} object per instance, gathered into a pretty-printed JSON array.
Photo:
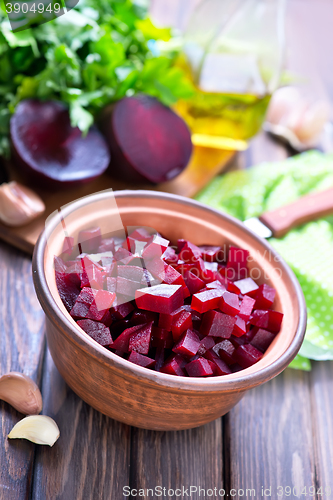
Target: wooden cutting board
[{"x": 205, "y": 164}]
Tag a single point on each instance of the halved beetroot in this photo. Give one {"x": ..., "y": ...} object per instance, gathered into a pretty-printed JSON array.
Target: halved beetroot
[
  {"x": 47, "y": 148},
  {"x": 147, "y": 140}
]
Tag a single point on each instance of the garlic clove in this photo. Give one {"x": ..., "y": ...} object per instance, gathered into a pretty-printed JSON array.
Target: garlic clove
[
  {"x": 313, "y": 122},
  {"x": 19, "y": 204},
  {"x": 39, "y": 429},
  {"x": 21, "y": 392},
  {"x": 282, "y": 102}
]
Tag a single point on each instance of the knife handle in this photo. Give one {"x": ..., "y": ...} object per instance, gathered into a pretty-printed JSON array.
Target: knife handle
[{"x": 306, "y": 209}]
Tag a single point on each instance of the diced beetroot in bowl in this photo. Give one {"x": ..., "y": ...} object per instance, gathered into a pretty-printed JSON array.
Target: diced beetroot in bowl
[{"x": 145, "y": 305}]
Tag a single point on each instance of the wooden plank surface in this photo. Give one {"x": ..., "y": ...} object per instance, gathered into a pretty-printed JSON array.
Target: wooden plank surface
[
  {"x": 178, "y": 460},
  {"x": 321, "y": 386},
  {"x": 270, "y": 439},
  {"x": 91, "y": 459},
  {"x": 21, "y": 349}
]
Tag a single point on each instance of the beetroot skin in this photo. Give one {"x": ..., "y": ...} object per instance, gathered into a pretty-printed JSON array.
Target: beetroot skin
[
  {"x": 147, "y": 140},
  {"x": 48, "y": 149},
  {"x": 168, "y": 311}
]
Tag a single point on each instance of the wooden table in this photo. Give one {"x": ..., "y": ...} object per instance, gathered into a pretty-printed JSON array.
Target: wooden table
[{"x": 280, "y": 435}]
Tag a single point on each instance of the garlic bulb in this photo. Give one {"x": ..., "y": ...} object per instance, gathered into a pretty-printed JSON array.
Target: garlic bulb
[
  {"x": 19, "y": 204},
  {"x": 296, "y": 120}
]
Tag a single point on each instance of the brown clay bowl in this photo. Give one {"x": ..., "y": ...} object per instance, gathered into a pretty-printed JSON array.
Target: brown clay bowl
[{"x": 123, "y": 390}]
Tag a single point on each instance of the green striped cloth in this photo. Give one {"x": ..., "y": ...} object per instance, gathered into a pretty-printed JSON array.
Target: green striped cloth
[{"x": 308, "y": 249}]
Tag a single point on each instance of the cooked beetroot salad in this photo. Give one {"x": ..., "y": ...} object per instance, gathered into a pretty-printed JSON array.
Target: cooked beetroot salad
[{"x": 185, "y": 310}]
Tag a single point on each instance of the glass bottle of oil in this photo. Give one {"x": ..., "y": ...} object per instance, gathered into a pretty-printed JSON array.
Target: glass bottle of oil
[{"x": 233, "y": 53}]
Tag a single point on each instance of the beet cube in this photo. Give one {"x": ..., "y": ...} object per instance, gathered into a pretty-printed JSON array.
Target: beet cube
[
  {"x": 247, "y": 286},
  {"x": 216, "y": 324},
  {"x": 122, "y": 342},
  {"x": 229, "y": 304},
  {"x": 174, "y": 366},
  {"x": 204, "y": 301},
  {"x": 216, "y": 284},
  {"x": 133, "y": 273},
  {"x": 193, "y": 282},
  {"x": 205, "y": 344},
  {"x": 107, "y": 245},
  {"x": 246, "y": 307},
  {"x": 140, "y": 234},
  {"x": 265, "y": 297},
  {"x": 127, "y": 287},
  {"x": 155, "y": 247},
  {"x": 247, "y": 355},
  {"x": 141, "y": 360},
  {"x": 160, "y": 298},
  {"x": 92, "y": 275},
  {"x": 219, "y": 366},
  {"x": 237, "y": 263},
  {"x": 122, "y": 311},
  {"x": 67, "y": 290},
  {"x": 212, "y": 254},
  {"x": 99, "y": 309},
  {"x": 259, "y": 318},
  {"x": 170, "y": 256},
  {"x": 83, "y": 303},
  {"x": 89, "y": 240},
  {"x": 225, "y": 351},
  {"x": 188, "y": 344},
  {"x": 166, "y": 320},
  {"x": 142, "y": 317},
  {"x": 239, "y": 328},
  {"x": 96, "y": 331},
  {"x": 156, "y": 267},
  {"x": 189, "y": 252},
  {"x": 199, "y": 368},
  {"x": 140, "y": 340},
  {"x": 159, "y": 358},
  {"x": 111, "y": 284},
  {"x": 231, "y": 287},
  {"x": 161, "y": 338},
  {"x": 269, "y": 320},
  {"x": 262, "y": 339},
  {"x": 180, "y": 324},
  {"x": 134, "y": 246},
  {"x": 274, "y": 321}
]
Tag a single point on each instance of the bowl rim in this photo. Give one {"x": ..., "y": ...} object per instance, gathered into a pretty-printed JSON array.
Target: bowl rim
[{"x": 234, "y": 382}]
